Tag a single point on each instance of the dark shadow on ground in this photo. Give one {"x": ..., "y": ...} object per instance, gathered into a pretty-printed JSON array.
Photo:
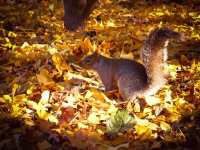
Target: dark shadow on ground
[{"x": 16, "y": 135}]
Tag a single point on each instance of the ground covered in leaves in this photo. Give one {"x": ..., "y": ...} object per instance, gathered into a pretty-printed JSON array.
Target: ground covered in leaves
[{"x": 48, "y": 102}]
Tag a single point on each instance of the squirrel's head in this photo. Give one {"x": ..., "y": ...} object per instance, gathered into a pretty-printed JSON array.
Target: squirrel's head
[{"x": 89, "y": 61}]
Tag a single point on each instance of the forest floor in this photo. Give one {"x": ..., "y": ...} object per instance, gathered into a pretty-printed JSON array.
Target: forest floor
[{"x": 47, "y": 101}]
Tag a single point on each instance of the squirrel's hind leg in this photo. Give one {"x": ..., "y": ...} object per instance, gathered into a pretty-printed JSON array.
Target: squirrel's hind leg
[{"x": 130, "y": 87}]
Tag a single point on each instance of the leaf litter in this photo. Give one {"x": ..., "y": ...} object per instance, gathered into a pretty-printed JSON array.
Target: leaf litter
[{"x": 48, "y": 102}]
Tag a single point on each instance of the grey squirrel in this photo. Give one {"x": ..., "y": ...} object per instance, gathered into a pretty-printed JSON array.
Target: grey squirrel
[{"x": 131, "y": 78}]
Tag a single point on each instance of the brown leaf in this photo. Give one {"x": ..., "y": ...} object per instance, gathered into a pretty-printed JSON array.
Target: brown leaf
[
  {"x": 67, "y": 114},
  {"x": 44, "y": 145},
  {"x": 60, "y": 63},
  {"x": 44, "y": 77}
]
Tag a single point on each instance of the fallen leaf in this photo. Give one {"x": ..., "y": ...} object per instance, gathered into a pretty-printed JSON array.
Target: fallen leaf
[
  {"x": 93, "y": 119},
  {"x": 44, "y": 145},
  {"x": 165, "y": 126},
  {"x": 152, "y": 100}
]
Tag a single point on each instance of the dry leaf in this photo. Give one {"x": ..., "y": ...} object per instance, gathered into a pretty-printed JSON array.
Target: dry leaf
[
  {"x": 143, "y": 132},
  {"x": 44, "y": 97},
  {"x": 44, "y": 77},
  {"x": 44, "y": 145},
  {"x": 93, "y": 119},
  {"x": 152, "y": 100},
  {"x": 165, "y": 126},
  {"x": 60, "y": 63}
]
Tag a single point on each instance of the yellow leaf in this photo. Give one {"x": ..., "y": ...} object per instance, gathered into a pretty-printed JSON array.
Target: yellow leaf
[
  {"x": 88, "y": 94},
  {"x": 152, "y": 100},
  {"x": 136, "y": 107},
  {"x": 174, "y": 117},
  {"x": 159, "y": 14},
  {"x": 110, "y": 23},
  {"x": 52, "y": 50},
  {"x": 81, "y": 125},
  {"x": 14, "y": 88},
  {"x": 42, "y": 114},
  {"x": 93, "y": 119},
  {"x": 180, "y": 101},
  {"x": 165, "y": 126},
  {"x": 143, "y": 133},
  {"x": 25, "y": 44},
  {"x": 2, "y": 100},
  {"x": 69, "y": 76},
  {"x": 70, "y": 101},
  {"x": 32, "y": 105},
  {"x": 44, "y": 97},
  {"x": 148, "y": 111},
  {"x": 97, "y": 94},
  {"x": 7, "y": 98},
  {"x": 168, "y": 97},
  {"x": 53, "y": 119},
  {"x": 126, "y": 55},
  {"x": 44, "y": 77},
  {"x": 20, "y": 98},
  {"x": 12, "y": 34},
  {"x": 112, "y": 109},
  {"x": 86, "y": 45},
  {"x": 60, "y": 63},
  {"x": 144, "y": 122},
  {"x": 172, "y": 70},
  {"x": 16, "y": 111},
  {"x": 152, "y": 126},
  {"x": 30, "y": 89}
]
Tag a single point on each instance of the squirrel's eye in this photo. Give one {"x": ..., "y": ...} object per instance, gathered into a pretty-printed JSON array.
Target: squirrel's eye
[{"x": 88, "y": 61}]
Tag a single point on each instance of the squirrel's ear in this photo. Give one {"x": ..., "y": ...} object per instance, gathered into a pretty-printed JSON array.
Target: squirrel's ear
[{"x": 95, "y": 54}]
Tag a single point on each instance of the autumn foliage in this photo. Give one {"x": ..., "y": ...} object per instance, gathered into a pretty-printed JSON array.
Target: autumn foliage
[{"x": 47, "y": 101}]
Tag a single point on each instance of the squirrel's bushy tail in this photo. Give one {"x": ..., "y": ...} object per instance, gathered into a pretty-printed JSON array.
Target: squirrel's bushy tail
[{"x": 154, "y": 55}]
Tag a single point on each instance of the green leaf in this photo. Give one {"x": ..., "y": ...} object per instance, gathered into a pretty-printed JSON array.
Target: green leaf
[
  {"x": 120, "y": 121},
  {"x": 7, "y": 98}
]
